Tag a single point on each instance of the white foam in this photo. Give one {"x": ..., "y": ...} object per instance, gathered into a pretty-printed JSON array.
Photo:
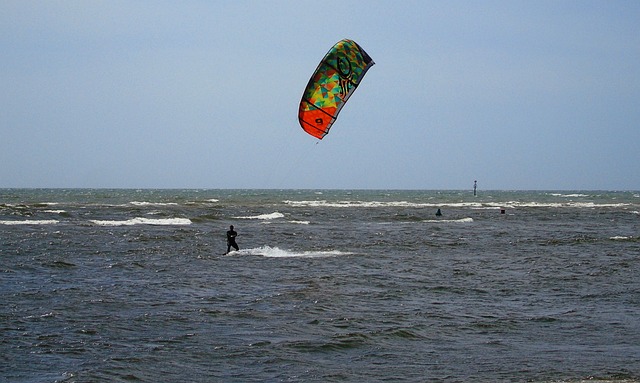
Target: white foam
[
  {"x": 145, "y": 221},
  {"x": 264, "y": 216},
  {"x": 619, "y": 238},
  {"x": 300, "y": 222},
  {"x": 461, "y": 220},
  {"x": 348, "y": 204},
  {"x": 55, "y": 211},
  {"x": 471, "y": 205},
  {"x": 31, "y": 222},
  {"x": 275, "y": 252},
  {"x": 143, "y": 203},
  {"x": 569, "y": 195}
]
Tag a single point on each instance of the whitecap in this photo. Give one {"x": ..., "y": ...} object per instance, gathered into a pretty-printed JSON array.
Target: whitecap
[
  {"x": 619, "y": 238},
  {"x": 31, "y": 222},
  {"x": 575, "y": 195},
  {"x": 264, "y": 216},
  {"x": 471, "y": 205},
  {"x": 275, "y": 252},
  {"x": 350, "y": 204},
  {"x": 558, "y": 205},
  {"x": 144, "y": 203},
  {"x": 144, "y": 221},
  {"x": 461, "y": 220}
]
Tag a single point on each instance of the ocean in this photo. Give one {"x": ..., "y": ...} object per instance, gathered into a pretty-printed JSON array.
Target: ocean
[{"x": 102, "y": 285}]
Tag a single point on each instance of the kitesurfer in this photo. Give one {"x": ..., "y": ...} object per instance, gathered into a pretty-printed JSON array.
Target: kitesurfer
[{"x": 231, "y": 239}]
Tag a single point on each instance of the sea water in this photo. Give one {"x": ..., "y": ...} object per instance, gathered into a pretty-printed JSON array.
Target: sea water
[{"x": 328, "y": 286}]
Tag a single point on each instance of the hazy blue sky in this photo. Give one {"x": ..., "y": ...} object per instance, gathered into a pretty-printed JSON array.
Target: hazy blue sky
[{"x": 204, "y": 94}]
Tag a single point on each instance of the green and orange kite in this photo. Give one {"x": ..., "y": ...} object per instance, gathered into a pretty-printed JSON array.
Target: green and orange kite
[{"x": 335, "y": 79}]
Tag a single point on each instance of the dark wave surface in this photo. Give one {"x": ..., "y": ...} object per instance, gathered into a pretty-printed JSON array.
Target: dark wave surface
[{"x": 329, "y": 286}]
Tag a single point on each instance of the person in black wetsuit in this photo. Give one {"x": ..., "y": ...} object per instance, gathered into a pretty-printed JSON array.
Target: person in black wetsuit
[{"x": 231, "y": 239}]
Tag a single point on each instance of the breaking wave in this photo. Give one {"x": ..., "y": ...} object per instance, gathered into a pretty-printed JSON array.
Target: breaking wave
[
  {"x": 461, "y": 220},
  {"x": 264, "y": 216},
  {"x": 144, "y": 221},
  {"x": 472, "y": 205},
  {"x": 31, "y": 222},
  {"x": 275, "y": 252}
]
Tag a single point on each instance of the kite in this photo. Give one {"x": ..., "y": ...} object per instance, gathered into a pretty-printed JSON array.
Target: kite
[{"x": 335, "y": 79}]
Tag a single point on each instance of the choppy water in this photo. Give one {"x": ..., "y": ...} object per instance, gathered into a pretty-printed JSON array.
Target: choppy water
[{"x": 329, "y": 286}]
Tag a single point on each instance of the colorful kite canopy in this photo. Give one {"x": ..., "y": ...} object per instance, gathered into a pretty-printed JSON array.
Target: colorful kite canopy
[{"x": 331, "y": 85}]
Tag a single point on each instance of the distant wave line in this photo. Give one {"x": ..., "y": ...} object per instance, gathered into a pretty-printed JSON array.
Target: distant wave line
[
  {"x": 31, "y": 222},
  {"x": 144, "y": 221},
  {"x": 348, "y": 204},
  {"x": 473, "y": 205},
  {"x": 273, "y": 215},
  {"x": 622, "y": 238},
  {"x": 578, "y": 195},
  {"x": 461, "y": 220},
  {"x": 144, "y": 203}
]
